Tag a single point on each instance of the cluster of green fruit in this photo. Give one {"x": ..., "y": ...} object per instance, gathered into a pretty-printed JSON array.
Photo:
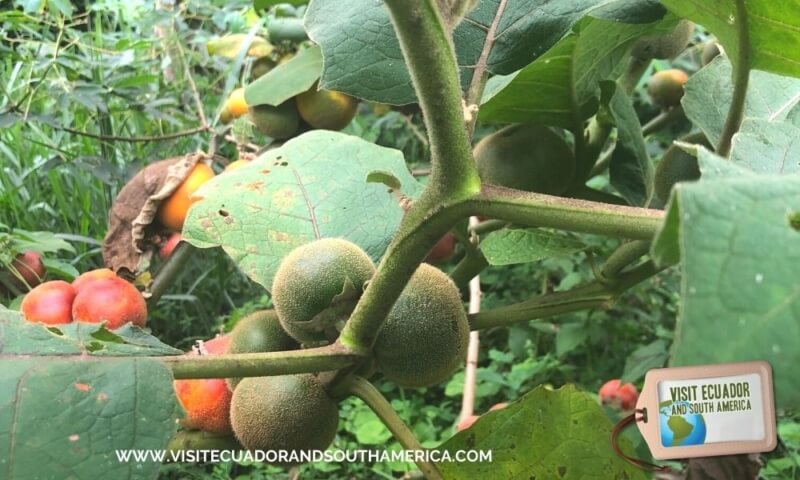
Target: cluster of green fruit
[
  {"x": 316, "y": 287},
  {"x": 94, "y": 297}
]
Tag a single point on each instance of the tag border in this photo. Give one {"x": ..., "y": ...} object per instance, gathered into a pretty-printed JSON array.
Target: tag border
[{"x": 649, "y": 400}]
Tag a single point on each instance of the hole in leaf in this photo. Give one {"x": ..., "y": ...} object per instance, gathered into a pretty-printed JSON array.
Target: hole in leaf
[
  {"x": 105, "y": 335},
  {"x": 224, "y": 213},
  {"x": 55, "y": 331},
  {"x": 94, "y": 347},
  {"x": 794, "y": 220},
  {"x": 283, "y": 164}
]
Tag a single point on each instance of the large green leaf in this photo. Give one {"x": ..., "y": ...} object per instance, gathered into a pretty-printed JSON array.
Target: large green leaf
[
  {"x": 773, "y": 29},
  {"x": 561, "y": 434},
  {"x": 738, "y": 241},
  {"x": 66, "y": 414},
  {"x": 709, "y": 92},
  {"x": 67, "y": 418},
  {"x": 314, "y": 186},
  {"x": 287, "y": 80},
  {"x": 767, "y": 147},
  {"x": 363, "y": 58},
  {"x": 561, "y": 88},
  {"x": 631, "y": 170}
]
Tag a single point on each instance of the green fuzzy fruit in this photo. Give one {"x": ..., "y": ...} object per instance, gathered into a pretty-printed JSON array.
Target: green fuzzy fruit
[
  {"x": 326, "y": 109},
  {"x": 317, "y": 286},
  {"x": 278, "y": 122},
  {"x": 259, "y": 332},
  {"x": 261, "y": 66},
  {"x": 526, "y": 157},
  {"x": 675, "y": 166},
  {"x": 288, "y": 412},
  {"x": 425, "y": 336},
  {"x": 664, "y": 46}
]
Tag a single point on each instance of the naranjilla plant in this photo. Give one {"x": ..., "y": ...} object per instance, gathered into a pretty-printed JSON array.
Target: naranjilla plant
[{"x": 336, "y": 229}]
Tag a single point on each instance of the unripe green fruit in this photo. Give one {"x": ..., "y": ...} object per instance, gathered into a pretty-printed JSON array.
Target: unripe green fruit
[
  {"x": 664, "y": 46},
  {"x": 710, "y": 52},
  {"x": 326, "y": 109},
  {"x": 675, "y": 166},
  {"x": 317, "y": 285},
  {"x": 425, "y": 336},
  {"x": 279, "y": 122},
  {"x": 258, "y": 332},
  {"x": 261, "y": 66},
  {"x": 666, "y": 87},
  {"x": 526, "y": 157},
  {"x": 288, "y": 412}
]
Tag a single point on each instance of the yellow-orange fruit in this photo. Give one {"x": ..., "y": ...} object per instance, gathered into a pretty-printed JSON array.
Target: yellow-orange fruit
[
  {"x": 173, "y": 210},
  {"x": 236, "y": 105},
  {"x": 110, "y": 300},
  {"x": 236, "y": 165},
  {"x": 49, "y": 303}
]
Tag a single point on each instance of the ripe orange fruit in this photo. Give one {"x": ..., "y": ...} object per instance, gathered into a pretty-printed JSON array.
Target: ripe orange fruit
[
  {"x": 614, "y": 393},
  {"x": 666, "y": 87},
  {"x": 111, "y": 300},
  {"x": 236, "y": 105},
  {"x": 173, "y": 210},
  {"x": 91, "y": 276},
  {"x": 49, "y": 303}
]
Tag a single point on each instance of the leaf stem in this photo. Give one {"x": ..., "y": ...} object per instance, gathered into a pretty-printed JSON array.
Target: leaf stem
[
  {"x": 741, "y": 80},
  {"x": 311, "y": 360},
  {"x": 539, "y": 210},
  {"x": 364, "y": 390},
  {"x": 595, "y": 294}
]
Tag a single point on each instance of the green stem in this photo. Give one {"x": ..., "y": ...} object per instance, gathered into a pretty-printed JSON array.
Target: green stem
[
  {"x": 585, "y": 192},
  {"x": 623, "y": 256},
  {"x": 471, "y": 265},
  {"x": 286, "y": 29},
  {"x": 488, "y": 226},
  {"x": 169, "y": 271},
  {"x": 633, "y": 74},
  {"x": 741, "y": 80},
  {"x": 311, "y": 360},
  {"x": 429, "y": 54},
  {"x": 662, "y": 120},
  {"x": 364, "y": 390},
  {"x": 596, "y": 294},
  {"x": 535, "y": 209}
]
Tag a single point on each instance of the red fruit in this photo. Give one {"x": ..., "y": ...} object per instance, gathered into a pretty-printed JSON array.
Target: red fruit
[
  {"x": 620, "y": 396},
  {"x": 91, "y": 276},
  {"x": 110, "y": 300},
  {"x": 169, "y": 246},
  {"x": 443, "y": 250},
  {"x": 498, "y": 406},
  {"x": 49, "y": 303},
  {"x": 207, "y": 402},
  {"x": 27, "y": 270},
  {"x": 466, "y": 422}
]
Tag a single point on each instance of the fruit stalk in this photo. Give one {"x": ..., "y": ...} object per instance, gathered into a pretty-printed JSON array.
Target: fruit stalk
[
  {"x": 172, "y": 267},
  {"x": 331, "y": 357},
  {"x": 364, "y": 390}
]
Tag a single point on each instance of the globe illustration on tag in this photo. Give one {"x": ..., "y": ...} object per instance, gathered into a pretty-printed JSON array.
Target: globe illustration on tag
[{"x": 679, "y": 427}]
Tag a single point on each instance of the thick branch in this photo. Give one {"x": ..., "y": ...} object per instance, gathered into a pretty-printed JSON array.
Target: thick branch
[
  {"x": 535, "y": 209},
  {"x": 741, "y": 80},
  {"x": 429, "y": 54},
  {"x": 168, "y": 272},
  {"x": 312, "y": 360}
]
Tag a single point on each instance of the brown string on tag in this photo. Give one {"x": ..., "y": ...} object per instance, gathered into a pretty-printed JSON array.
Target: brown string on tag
[{"x": 637, "y": 462}]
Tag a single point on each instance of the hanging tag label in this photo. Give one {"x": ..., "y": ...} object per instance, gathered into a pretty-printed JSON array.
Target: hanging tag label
[{"x": 708, "y": 410}]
